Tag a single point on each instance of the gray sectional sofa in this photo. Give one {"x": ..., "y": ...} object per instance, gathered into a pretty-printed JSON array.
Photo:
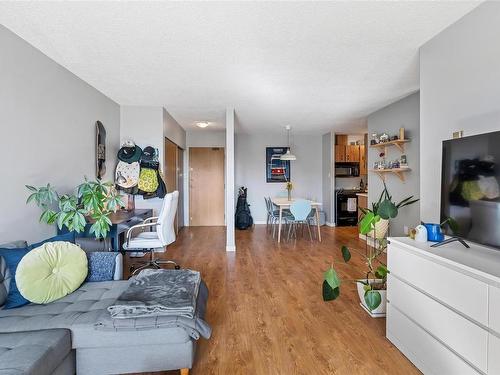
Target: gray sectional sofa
[{"x": 64, "y": 337}]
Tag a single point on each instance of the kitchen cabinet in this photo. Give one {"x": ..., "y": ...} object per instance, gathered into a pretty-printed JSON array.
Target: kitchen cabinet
[
  {"x": 352, "y": 153},
  {"x": 363, "y": 164},
  {"x": 341, "y": 139},
  {"x": 340, "y": 153}
]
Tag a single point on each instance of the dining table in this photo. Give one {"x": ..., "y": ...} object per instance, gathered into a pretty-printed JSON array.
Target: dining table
[{"x": 283, "y": 203}]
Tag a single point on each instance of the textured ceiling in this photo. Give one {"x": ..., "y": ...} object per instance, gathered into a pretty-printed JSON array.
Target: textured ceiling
[{"x": 314, "y": 65}]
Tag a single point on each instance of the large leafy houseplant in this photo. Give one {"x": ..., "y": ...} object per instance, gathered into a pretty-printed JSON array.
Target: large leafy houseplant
[
  {"x": 91, "y": 200},
  {"x": 383, "y": 209}
]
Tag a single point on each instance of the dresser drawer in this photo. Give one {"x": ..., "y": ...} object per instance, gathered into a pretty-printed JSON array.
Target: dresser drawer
[
  {"x": 466, "y": 338},
  {"x": 428, "y": 354},
  {"x": 494, "y": 355},
  {"x": 462, "y": 292},
  {"x": 494, "y": 307}
]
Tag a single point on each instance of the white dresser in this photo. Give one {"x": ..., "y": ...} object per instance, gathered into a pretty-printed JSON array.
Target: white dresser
[{"x": 443, "y": 308}]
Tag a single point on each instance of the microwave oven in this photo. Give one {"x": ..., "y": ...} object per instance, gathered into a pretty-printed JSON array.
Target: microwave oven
[{"x": 346, "y": 170}]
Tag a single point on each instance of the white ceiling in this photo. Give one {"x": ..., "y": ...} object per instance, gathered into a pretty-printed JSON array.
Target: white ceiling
[{"x": 314, "y": 65}]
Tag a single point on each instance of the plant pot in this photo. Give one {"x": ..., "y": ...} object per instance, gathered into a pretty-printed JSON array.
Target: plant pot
[
  {"x": 381, "y": 228},
  {"x": 379, "y": 312}
]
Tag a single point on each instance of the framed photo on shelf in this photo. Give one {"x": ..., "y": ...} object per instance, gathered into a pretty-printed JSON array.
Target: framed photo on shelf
[{"x": 277, "y": 170}]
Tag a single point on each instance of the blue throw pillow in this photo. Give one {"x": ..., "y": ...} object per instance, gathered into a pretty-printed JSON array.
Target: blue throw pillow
[
  {"x": 12, "y": 258},
  {"x": 101, "y": 266},
  {"x": 68, "y": 237}
]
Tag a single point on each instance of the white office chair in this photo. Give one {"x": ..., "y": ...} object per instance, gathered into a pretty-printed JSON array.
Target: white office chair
[{"x": 163, "y": 235}]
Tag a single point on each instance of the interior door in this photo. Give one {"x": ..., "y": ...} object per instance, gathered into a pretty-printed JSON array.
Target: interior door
[
  {"x": 170, "y": 171},
  {"x": 206, "y": 186}
]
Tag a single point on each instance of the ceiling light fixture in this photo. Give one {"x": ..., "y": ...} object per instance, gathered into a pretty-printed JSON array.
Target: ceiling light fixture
[
  {"x": 288, "y": 155},
  {"x": 202, "y": 124}
]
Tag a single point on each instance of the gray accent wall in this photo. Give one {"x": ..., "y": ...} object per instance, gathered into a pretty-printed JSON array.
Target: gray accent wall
[
  {"x": 47, "y": 127},
  {"x": 403, "y": 113},
  {"x": 460, "y": 90},
  {"x": 250, "y": 164}
]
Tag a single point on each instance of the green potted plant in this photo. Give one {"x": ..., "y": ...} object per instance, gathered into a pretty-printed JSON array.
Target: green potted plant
[
  {"x": 372, "y": 288},
  {"x": 91, "y": 201}
]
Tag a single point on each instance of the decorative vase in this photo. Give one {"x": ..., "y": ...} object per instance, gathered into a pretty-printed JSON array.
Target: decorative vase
[{"x": 289, "y": 194}]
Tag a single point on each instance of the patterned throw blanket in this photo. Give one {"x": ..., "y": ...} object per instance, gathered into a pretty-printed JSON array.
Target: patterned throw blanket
[{"x": 159, "y": 293}]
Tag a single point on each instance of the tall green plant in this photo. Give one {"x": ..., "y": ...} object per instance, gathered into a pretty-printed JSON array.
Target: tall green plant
[
  {"x": 386, "y": 209},
  {"x": 92, "y": 201}
]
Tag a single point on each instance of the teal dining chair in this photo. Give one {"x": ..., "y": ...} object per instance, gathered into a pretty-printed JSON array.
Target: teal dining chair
[{"x": 300, "y": 210}]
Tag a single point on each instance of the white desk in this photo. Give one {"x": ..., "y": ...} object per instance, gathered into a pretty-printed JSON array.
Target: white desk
[{"x": 285, "y": 203}]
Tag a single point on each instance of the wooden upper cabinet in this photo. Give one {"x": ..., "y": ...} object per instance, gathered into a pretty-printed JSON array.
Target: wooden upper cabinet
[
  {"x": 340, "y": 154},
  {"x": 363, "y": 166},
  {"x": 352, "y": 153},
  {"x": 341, "y": 139}
]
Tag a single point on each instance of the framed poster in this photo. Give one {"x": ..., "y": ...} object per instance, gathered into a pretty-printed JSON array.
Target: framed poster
[{"x": 277, "y": 170}]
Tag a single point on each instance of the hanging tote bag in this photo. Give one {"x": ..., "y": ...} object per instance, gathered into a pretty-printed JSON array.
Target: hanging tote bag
[
  {"x": 127, "y": 175},
  {"x": 148, "y": 180}
]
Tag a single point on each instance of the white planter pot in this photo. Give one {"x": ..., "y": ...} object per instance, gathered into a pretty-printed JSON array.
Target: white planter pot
[
  {"x": 381, "y": 228},
  {"x": 379, "y": 312}
]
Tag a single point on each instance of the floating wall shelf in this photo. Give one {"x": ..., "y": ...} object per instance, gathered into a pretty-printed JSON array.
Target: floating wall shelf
[
  {"x": 397, "y": 171},
  {"x": 399, "y": 143}
]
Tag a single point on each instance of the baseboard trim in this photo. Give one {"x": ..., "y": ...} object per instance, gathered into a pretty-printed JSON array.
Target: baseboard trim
[
  {"x": 259, "y": 222},
  {"x": 230, "y": 248},
  {"x": 328, "y": 224}
]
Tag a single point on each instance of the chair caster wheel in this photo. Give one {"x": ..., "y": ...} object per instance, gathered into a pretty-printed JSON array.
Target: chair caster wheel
[{"x": 177, "y": 267}]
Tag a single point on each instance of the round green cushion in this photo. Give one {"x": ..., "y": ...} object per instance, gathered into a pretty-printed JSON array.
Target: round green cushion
[{"x": 51, "y": 271}]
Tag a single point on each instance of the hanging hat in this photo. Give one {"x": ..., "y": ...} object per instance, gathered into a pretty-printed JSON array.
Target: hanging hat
[
  {"x": 127, "y": 174},
  {"x": 148, "y": 154},
  {"x": 129, "y": 152}
]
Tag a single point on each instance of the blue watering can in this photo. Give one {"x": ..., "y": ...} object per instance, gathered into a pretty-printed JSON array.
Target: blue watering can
[{"x": 434, "y": 233}]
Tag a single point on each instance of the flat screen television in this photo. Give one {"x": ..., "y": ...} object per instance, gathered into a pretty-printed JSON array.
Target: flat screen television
[{"x": 470, "y": 190}]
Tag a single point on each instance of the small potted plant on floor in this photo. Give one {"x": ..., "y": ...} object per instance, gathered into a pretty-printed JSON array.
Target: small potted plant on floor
[
  {"x": 92, "y": 201},
  {"x": 372, "y": 288}
]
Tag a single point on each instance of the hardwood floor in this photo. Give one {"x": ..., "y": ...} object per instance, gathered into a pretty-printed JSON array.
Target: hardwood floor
[{"x": 266, "y": 309}]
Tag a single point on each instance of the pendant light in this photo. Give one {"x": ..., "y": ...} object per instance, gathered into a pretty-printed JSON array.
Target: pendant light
[{"x": 288, "y": 155}]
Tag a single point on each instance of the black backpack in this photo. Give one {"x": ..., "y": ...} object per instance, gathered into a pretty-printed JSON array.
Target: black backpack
[{"x": 243, "y": 219}]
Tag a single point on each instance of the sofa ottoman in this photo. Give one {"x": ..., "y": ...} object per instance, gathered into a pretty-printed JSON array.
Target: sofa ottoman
[
  {"x": 37, "y": 353},
  {"x": 103, "y": 351}
]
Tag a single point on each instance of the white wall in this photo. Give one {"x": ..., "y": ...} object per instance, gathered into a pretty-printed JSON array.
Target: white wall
[
  {"x": 143, "y": 125},
  {"x": 306, "y": 171},
  {"x": 47, "y": 127},
  {"x": 403, "y": 113},
  {"x": 148, "y": 126},
  {"x": 173, "y": 131},
  {"x": 205, "y": 138},
  {"x": 459, "y": 90},
  {"x": 230, "y": 180},
  {"x": 327, "y": 188}
]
